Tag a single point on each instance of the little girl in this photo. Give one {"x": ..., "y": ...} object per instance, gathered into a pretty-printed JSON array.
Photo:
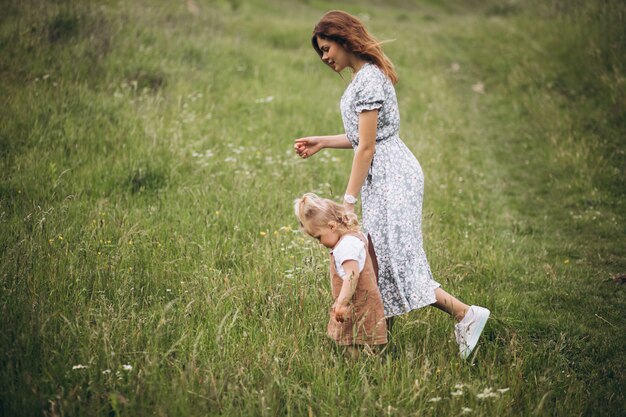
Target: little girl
[{"x": 357, "y": 316}]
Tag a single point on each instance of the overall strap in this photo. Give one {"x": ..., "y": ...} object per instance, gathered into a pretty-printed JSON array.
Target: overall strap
[
  {"x": 372, "y": 254},
  {"x": 370, "y": 251}
]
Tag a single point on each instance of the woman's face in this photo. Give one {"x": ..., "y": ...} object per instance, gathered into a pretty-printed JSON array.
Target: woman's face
[{"x": 334, "y": 54}]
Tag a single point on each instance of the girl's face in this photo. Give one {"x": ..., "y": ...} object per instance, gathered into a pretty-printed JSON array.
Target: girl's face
[
  {"x": 334, "y": 54},
  {"x": 327, "y": 236}
]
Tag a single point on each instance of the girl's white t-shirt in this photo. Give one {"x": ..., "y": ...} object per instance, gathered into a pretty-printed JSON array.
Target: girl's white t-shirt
[{"x": 350, "y": 248}]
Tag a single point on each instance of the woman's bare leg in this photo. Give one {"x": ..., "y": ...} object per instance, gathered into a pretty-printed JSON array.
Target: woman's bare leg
[{"x": 450, "y": 304}]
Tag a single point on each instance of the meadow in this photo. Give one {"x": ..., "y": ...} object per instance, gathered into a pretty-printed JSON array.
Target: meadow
[{"x": 150, "y": 262}]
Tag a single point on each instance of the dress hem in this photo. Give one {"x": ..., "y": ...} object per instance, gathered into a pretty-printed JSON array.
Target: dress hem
[{"x": 400, "y": 313}]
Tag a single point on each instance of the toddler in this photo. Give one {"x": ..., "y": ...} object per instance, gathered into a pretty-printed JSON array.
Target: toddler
[{"x": 357, "y": 316}]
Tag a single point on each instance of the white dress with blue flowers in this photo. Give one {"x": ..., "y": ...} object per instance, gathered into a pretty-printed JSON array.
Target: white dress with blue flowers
[{"x": 391, "y": 196}]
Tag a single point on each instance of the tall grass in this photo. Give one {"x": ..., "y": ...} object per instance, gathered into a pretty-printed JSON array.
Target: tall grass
[{"x": 149, "y": 258}]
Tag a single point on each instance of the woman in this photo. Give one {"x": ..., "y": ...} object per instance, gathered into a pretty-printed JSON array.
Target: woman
[{"x": 387, "y": 174}]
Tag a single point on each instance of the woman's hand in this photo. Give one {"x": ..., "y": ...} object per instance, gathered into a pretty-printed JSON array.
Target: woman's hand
[
  {"x": 349, "y": 207},
  {"x": 306, "y": 147}
]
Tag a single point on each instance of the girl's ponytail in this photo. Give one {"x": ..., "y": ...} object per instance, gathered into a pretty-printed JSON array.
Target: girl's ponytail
[
  {"x": 350, "y": 221},
  {"x": 313, "y": 211}
]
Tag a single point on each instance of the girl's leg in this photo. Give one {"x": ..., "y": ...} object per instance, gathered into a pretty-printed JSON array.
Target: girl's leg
[
  {"x": 450, "y": 304},
  {"x": 355, "y": 351},
  {"x": 389, "y": 325},
  {"x": 351, "y": 352}
]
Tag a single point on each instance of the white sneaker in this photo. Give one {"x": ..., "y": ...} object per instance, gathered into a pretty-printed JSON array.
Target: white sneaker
[{"x": 468, "y": 330}]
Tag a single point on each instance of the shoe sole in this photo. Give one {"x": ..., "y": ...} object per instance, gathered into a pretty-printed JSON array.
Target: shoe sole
[{"x": 479, "y": 327}]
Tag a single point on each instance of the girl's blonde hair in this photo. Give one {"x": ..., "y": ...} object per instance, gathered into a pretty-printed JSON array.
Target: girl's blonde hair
[
  {"x": 314, "y": 211},
  {"x": 352, "y": 34}
]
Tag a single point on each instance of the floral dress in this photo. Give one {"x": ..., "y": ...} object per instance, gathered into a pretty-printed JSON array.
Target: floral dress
[{"x": 391, "y": 196}]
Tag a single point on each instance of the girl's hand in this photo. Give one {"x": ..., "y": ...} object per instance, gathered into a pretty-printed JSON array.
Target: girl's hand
[
  {"x": 306, "y": 147},
  {"x": 341, "y": 312}
]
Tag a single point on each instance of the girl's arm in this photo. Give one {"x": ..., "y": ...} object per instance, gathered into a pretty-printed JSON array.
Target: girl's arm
[
  {"x": 309, "y": 146},
  {"x": 342, "y": 304},
  {"x": 364, "y": 154}
]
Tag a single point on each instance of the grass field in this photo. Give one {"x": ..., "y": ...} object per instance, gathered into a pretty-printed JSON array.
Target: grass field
[{"x": 149, "y": 258}]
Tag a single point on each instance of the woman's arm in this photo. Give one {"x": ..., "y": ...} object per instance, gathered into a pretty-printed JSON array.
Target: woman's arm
[
  {"x": 364, "y": 154},
  {"x": 336, "y": 141},
  {"x": 342, "y": 304},
  {"x": 309, "y": 146}
]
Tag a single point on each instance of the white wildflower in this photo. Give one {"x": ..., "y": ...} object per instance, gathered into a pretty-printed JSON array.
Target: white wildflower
[
  {"x": 127, "y": 367},
  {"x": 207, "y": 154},
  {"x": 267, "y": 99},
  {"x": 466, "y": 410},
  {"x": 487, "y": 393},
  {"x": 456, "y": 393},
  {"x": 479, "y": 88},
  {"x": 79, "y": 366},
  {"x": 106, "y": 372},
  {"x": 434, "y": 400},
  {"x": 503, "y": 390}
]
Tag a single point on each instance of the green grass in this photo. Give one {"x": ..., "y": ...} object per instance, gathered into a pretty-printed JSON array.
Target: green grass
[{"x": 146, "y": 182}]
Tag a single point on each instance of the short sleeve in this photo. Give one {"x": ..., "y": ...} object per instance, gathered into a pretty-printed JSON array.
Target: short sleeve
[
  {"x": 370, "y": 94},
  {"x": 350, "y": 248}
]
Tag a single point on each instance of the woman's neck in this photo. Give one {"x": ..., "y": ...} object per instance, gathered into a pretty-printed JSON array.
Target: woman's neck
[{"x": 356, "y": 65}]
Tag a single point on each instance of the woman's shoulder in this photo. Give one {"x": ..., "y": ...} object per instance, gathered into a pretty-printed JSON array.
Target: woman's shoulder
[
  {"x": 369, "y": 78},
  {"x": 371, "y": 72}
]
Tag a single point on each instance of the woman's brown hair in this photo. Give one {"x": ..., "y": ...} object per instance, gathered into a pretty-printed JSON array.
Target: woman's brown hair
[{"x": 350, "y": 32}]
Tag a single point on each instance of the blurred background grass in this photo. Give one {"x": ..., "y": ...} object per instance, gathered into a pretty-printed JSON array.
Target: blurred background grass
[{"x": 149, "y": 259}]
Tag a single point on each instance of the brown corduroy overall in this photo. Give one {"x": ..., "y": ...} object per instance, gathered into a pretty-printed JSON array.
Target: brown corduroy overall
[{"x": 365, "y": 325}]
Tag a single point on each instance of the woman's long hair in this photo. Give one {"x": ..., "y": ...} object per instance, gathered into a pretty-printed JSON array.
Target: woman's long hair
[{"x": 351, "y": 33}]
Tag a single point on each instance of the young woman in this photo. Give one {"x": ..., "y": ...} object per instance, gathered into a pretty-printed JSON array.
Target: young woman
[{"x": 386, "y": 173}]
